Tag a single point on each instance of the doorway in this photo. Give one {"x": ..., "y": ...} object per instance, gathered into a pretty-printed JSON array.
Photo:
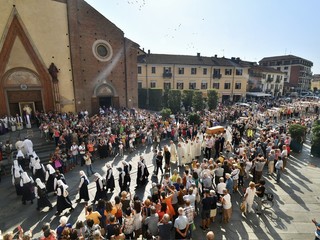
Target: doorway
[{"x": 105, "y": 102}]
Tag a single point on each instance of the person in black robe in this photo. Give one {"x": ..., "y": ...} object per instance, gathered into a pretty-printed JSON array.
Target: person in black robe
[
  {"x": 26, "y": 184},
  {"x": 83, "y": 187},
  {"x": 63, "y": 201},
  {"x": 100, "y": 193},
  {"x": 41, "y": 194},
  {"x": 59, "y": 176},
  {"x": 127, "y": 167},
  {"x": 102, "y": 149},
  {"x": 39, "y": 170},
  {"x": 142, "y": 173},
  {"x": 50, "y": 176},
  {"x": 16, "y": 171},
  {"x": 122, "y": 183},
  {"x": 109, "y": 179}
]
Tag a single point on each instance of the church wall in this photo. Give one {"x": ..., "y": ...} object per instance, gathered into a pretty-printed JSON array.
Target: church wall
[
  {"x": 46, "y": 24},
  {"x": 86, "y": 26}
]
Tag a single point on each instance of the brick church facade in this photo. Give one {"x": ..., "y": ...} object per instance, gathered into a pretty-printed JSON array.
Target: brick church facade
[{"x": 63, "y": 55}]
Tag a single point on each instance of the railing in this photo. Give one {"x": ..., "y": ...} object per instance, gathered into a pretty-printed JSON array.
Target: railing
[
  {"x": 217, "y": 75},
  {"x": 167, "y": 75}
]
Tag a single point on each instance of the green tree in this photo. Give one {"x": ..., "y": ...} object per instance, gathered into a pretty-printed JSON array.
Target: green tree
[
  {"x": 174, "y": 100},
  {"x": 165, "y": 113},
  {"x": 187, "y": 98},
  {"x": 142, "y": 98},
  {"x": 212, "y": 99},
  {"x": 155, "y": 99},
  {"x": 197, "y": 101},
  {"x": 165, "y": 98},
  {"x": 194, "y": 118}
]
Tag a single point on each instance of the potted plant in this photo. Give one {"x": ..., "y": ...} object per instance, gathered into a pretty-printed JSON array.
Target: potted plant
[
  {"x": 297, "y": 133},
  {"x": 315, "y": 141}
]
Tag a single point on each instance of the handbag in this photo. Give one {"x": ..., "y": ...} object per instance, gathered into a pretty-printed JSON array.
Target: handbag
[{"x": 243, "y": 207}]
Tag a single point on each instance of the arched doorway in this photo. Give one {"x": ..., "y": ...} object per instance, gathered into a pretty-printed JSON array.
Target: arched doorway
[
  {"x": 104, "y": 95},
  {"x": 22, "y": 87}
]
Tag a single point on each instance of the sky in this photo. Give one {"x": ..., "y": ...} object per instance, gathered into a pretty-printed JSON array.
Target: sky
[{"x": 249, "y": 29}]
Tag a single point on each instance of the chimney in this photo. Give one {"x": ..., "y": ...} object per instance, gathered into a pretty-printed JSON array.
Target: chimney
[
  {"x": 233, "y": 58},
  {"x": 215, "y": 55},
  {"x": 148, "y": 51},
  {"x": 198, "y": 54}
]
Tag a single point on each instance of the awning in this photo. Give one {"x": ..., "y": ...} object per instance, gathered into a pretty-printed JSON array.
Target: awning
[{"x": 258, "y": 94}]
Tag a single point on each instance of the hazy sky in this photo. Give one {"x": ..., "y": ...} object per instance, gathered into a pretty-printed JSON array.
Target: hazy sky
[{"x": 249, "y": 29}]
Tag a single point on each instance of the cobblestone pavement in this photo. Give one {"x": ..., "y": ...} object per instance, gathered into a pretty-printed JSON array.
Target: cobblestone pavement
[{"x": 297, "y": 200}]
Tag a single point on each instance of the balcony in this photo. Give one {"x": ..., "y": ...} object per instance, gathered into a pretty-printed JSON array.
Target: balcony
[
  {"x": 167, "y": 75},
  {"x": 217, "y": 75},
  {"x": 269, "y": 79}
]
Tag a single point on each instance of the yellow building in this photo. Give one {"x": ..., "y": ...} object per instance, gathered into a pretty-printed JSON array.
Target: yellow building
[
  {"x": 228, "y": 76},
  {"x": 315, "y": 82}
]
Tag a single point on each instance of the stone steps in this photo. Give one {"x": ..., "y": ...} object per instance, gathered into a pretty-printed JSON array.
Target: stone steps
[{"x": 43, "y": 150}]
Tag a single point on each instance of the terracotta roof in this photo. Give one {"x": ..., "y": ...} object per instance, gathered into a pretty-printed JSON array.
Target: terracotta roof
[{"x": 188, "y": 60}]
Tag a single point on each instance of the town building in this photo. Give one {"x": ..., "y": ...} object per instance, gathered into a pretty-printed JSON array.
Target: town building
[
  {"x": 297, "y": 71},
  {"x": 315, "y": 82},
  {"x": 266, "y": 79},
  {"x": 63, "y": 55},
  {"x": 165, "y": 71}
]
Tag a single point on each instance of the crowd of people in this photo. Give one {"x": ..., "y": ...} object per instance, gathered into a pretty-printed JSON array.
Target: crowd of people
[{"x": 201, "y": 175}]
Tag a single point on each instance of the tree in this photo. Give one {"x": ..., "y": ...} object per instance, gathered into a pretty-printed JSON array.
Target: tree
[
  {"x": 155, "y": 99},
  {"x": 165, "y": 113},
  {"x": 194, "y": 118},
  {"x": 174, "y": 100},
  {"x": 165, "y": 98},
  {"x": 187, "y": 98},
  {"x": 197, "y": 101},
  {"x": 142, "y": 98},
  {"x": 212, "y": 99}
]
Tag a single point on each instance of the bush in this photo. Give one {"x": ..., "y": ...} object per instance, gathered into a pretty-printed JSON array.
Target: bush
[
  {"x": 194, "y": 118},
  {"x": 315, "y": 146},
  {"x": 174, "y": 100},
  {"x": 197, "y": 101},
  {"x": 142, "y": 98},
  {"x": 187, "y": 98},
  {"x": 212, "y": 99},
  {"x": 155, "y": 99},
  {"x": 297, "y": 132},
  {"x": 165, "y": 113}
]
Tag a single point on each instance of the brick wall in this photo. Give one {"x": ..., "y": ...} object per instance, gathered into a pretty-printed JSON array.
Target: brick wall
[{"x": 86, "y": 25}]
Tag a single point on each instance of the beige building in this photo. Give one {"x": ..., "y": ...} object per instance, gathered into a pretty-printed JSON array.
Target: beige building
[
  {"x": 315, "y": 82},
  {"x": 267, "y": 80},
  {"x": 228, "y": 76}
]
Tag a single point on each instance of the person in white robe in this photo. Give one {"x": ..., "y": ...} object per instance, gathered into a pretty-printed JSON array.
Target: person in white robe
[
  {"x": 187, "y": 152},
  {"x": 28, "y": 147},
  {"x": 173, "y": 151},
  {"x": 197, "y": 146},
  {"x": 181, "y": 153}
]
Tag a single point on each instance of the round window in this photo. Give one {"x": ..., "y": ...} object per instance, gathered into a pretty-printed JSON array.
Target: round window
[{"x": 102, "y": 50}]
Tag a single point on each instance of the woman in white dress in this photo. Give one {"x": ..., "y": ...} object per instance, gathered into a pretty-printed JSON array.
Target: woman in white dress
[{"x": 249, "y": 196}]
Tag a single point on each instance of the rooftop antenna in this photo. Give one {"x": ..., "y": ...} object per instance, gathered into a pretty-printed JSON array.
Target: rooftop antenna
[{"x": 285, "y": 51}]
